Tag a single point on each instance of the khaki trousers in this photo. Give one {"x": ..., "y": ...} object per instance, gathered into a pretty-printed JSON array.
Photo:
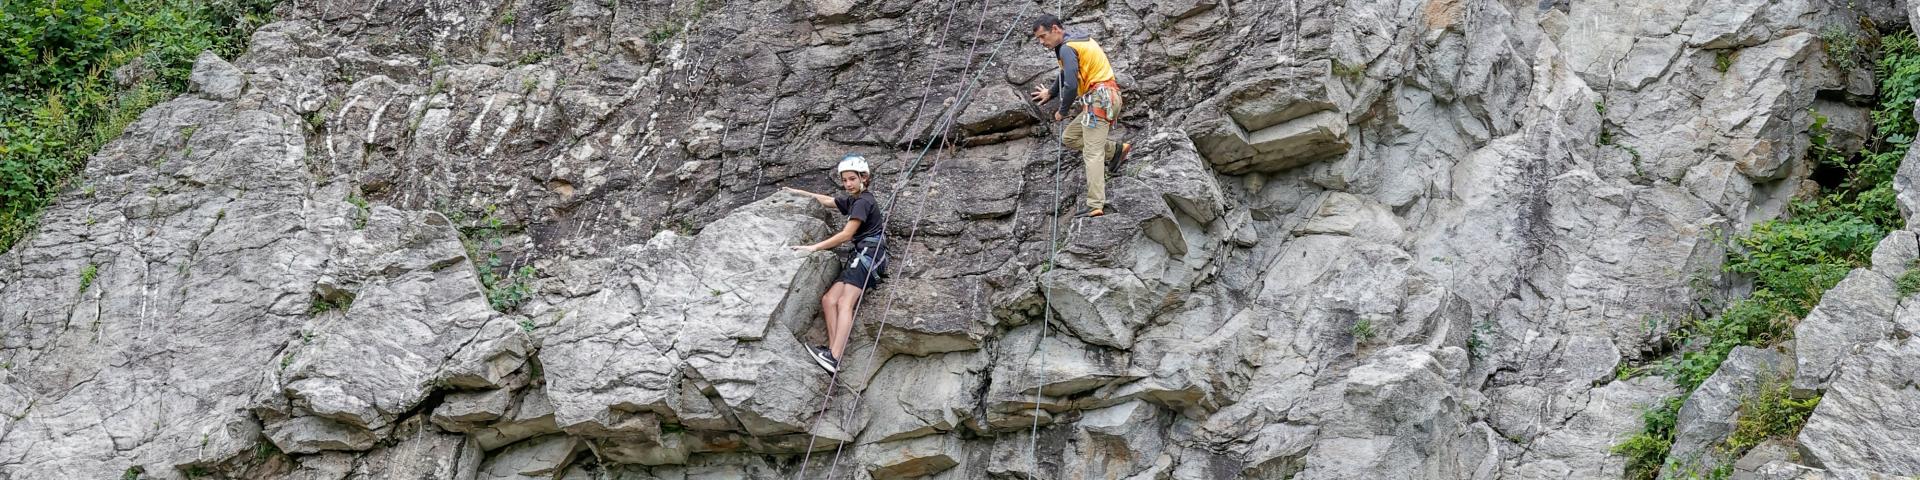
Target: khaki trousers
[{"x": 1094, "y": 147}]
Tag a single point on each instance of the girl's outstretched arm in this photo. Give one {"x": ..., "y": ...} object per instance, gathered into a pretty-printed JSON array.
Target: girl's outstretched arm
[{"x": 825, "y": 201}]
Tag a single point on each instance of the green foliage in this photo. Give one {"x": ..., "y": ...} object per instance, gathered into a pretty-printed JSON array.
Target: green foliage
[
  {"x": 264, "y": 450},
  {"x": 1796, "y": 259},
  {"x": 1722, "y": 60},
  {"x": 321, "y": 305},
  {"x": 58, "y": 99},
  {"x": 1909, "y": 282},
  {"x": 507, "y": 292},
  {"x": 1771, "y": 412},
  {"x": 1344, "y": 70},
  {"x": 361, "y": 210},
  {"x": 1759, "y": 320},
  {"x": 1477, "y": 340},
  {"x": 507, "y": 288},
  {"x": 530, "y": 58},
  {"x": 1647, "y": 450},
  {"x": 526, "y": 325},
  {"x": 1899, "y": 75},
  {"x": 87, "y": 274},
  {"x": 1362, "y": 330},
  {"x": 1843, "y": 47},
  {"x": 675, "y": 22},
  {"x": 133, "y": 473}
]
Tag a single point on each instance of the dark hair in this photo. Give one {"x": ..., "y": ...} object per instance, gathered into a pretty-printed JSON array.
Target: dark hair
[{"x": 1046, "y": 21}]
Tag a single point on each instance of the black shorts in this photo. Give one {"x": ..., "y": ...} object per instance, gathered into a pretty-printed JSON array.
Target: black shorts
[{"x": 865, "y": 268}]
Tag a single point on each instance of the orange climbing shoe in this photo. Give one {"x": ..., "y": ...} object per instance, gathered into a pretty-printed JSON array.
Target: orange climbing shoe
[{"x": 1094, "y": 213}]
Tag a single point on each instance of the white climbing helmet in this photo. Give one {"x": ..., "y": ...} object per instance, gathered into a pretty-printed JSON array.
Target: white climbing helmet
[{"x": 852, "y": 162}]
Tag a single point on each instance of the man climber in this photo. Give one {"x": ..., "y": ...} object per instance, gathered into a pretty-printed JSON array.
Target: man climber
[
  {"x": 866, "y": 229},
  {"x": 1084, "y": 66}
]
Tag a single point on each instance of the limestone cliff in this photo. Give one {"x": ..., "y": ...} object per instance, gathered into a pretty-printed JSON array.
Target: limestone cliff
[{"x": 545, "y": 239}]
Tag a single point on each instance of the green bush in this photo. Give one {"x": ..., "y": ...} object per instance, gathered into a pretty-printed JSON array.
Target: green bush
[
  {"x": 1909, "y": 281},
  {"x": 1362, "y": 331},
  {"x": 482, "y": 238},
  {"x": 58, "y": 99},
  {"x": 87, "y": 274},
  {"x": 1771, "y": 412},
  {"x": 1796, "y": 259},
  {"x": 1647, "y": 451}
]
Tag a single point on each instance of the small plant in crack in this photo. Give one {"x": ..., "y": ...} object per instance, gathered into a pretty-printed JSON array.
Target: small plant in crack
[
  {"x": 1477, "y": 340},
  {"x": 361, "y": 210},
  {"x": 87, "y": 274},
  {"x": 321, "y": 305},
  {"x": 264, "y": 449},
  {"x": 1910, "y": 281},
  {"x": 1362, "y": 331},
  {"x": 506, "y": 287}
]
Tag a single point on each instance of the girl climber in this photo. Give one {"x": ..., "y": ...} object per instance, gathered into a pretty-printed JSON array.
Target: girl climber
[{"x": 865, "y": 228}]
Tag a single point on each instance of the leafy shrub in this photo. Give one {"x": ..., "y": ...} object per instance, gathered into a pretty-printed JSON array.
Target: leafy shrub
[
  {"x": 58, "y": 99},
  {"x": 1771, "y": 412},
  {"x": 482, "y": 238},
  {"x": 1909, "y": 282},
  {"x": 1796, "y": 259},
  {"x": 1647, "y": 450}
]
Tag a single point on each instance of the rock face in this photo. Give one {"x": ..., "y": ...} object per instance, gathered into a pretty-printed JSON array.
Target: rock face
[{"x": 538, "y": 239}]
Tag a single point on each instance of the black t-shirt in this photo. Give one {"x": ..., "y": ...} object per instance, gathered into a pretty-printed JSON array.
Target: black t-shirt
[{"x": 864, "y": 209}]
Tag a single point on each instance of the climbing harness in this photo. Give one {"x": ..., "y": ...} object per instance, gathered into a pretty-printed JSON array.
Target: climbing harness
[
  {"x": 870, "y": 252},
  {"x": 1100, "y": 102}
]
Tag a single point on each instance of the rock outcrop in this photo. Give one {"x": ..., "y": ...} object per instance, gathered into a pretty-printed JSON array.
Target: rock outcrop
[{"x": 538, "y": 239}]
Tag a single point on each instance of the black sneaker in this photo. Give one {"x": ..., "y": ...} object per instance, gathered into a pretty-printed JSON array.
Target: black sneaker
[
  {"x": 824, "y": 357},
  {"x": 1119, "y": 158}
]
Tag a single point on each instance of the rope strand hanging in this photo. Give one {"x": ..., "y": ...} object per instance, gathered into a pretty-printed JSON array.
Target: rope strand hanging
[{"x": 942, "y": 126}]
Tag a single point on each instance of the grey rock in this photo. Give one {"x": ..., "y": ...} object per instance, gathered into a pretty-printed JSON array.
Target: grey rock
[
  {"x": 920, "y": 396},
  {"x": 1358, "y": 240},
  {"x": 1864, "y": 421},
  {"x": 1856, "y": 312},
  {"x": 1708, "y": 416},
  {"x": 316, "y": 434},
  {"x": 461, "y": 412},
  {"x": 216, "y": 79},
  {"x": 1739, "y": 23},
  {"x": 1896, "y": 253},
  {"x": 530, "y": 416},
  {"x": 913, "y": 458},
  {"x": 536, "y": 458}
]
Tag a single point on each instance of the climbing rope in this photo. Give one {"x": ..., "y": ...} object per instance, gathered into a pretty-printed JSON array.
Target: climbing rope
[
  {"x": 1046, "y": 298},
  {"x": 942, "y": 126}
]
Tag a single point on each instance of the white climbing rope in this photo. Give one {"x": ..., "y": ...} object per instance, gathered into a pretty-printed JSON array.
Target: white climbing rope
[{"x": 1053, "y": 253}]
